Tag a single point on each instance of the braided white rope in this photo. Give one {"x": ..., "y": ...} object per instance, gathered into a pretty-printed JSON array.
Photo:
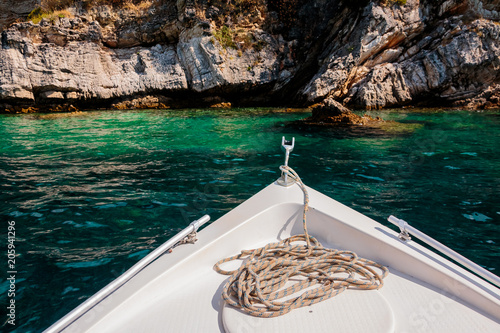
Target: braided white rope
[{"x": 269, "y": 280}]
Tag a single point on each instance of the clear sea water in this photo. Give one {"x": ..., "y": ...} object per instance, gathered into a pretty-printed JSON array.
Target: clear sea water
[{"x": 93, "y": 193}]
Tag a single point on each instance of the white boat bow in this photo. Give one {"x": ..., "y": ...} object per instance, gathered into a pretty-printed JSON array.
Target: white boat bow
[{"x": 181, "y": 292}]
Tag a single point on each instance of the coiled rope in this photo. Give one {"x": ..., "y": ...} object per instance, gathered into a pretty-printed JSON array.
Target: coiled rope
[{"x": 269, "y": 280}]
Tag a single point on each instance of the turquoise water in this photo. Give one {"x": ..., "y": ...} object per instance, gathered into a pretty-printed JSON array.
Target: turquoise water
[{"x": 93, "y": 193}]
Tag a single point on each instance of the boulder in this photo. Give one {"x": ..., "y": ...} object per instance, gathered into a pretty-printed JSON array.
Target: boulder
[
  {"x": 328, "y": 108},
  {"x": 332, "y": 113}
]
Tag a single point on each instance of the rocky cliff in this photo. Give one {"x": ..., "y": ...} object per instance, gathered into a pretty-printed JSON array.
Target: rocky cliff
[
  {"x": 11, "y": 11},
  {"x": 366, "y": 54}
]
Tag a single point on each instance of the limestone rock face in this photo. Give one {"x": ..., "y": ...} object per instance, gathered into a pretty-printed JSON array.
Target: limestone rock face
[
  {"x": 102, "y": 57},
  {"x": 364, "y": 54},
  {"x": 421, "y": 53},
  {"x": 13, "y": 10},
  {"x": 82, "y": 69},
  {"x": 459, "y": 68},
  {"x": 208, "y": 65}
]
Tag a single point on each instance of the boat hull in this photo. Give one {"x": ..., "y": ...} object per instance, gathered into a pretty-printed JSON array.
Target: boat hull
[{"x": 180, "y": 291}]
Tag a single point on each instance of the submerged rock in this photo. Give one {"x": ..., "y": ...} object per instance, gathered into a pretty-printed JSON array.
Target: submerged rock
[
  {"x": 331, "y": 113},
  {"x": 329, "y": 108},
  {"x": 146, "y": 102}
]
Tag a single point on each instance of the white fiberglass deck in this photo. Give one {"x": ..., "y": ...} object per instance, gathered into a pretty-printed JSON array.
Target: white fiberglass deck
[{"x": 180, "y": 292}]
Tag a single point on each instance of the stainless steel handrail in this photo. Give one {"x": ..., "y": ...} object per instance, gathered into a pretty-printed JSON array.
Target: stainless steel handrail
[
  {"x": 408, "y": 229},
  {"x": 122, "y": 279}
]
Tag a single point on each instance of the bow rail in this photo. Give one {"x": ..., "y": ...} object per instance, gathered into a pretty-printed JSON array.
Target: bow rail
[
  {"x": 129, "y": 274},
  {"x": 407, "y": 229}
]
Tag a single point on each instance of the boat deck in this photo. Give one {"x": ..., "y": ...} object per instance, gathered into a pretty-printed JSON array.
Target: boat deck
[
  {"x": 194, "y": 305},
  {"x": 180, "y": 291}
]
